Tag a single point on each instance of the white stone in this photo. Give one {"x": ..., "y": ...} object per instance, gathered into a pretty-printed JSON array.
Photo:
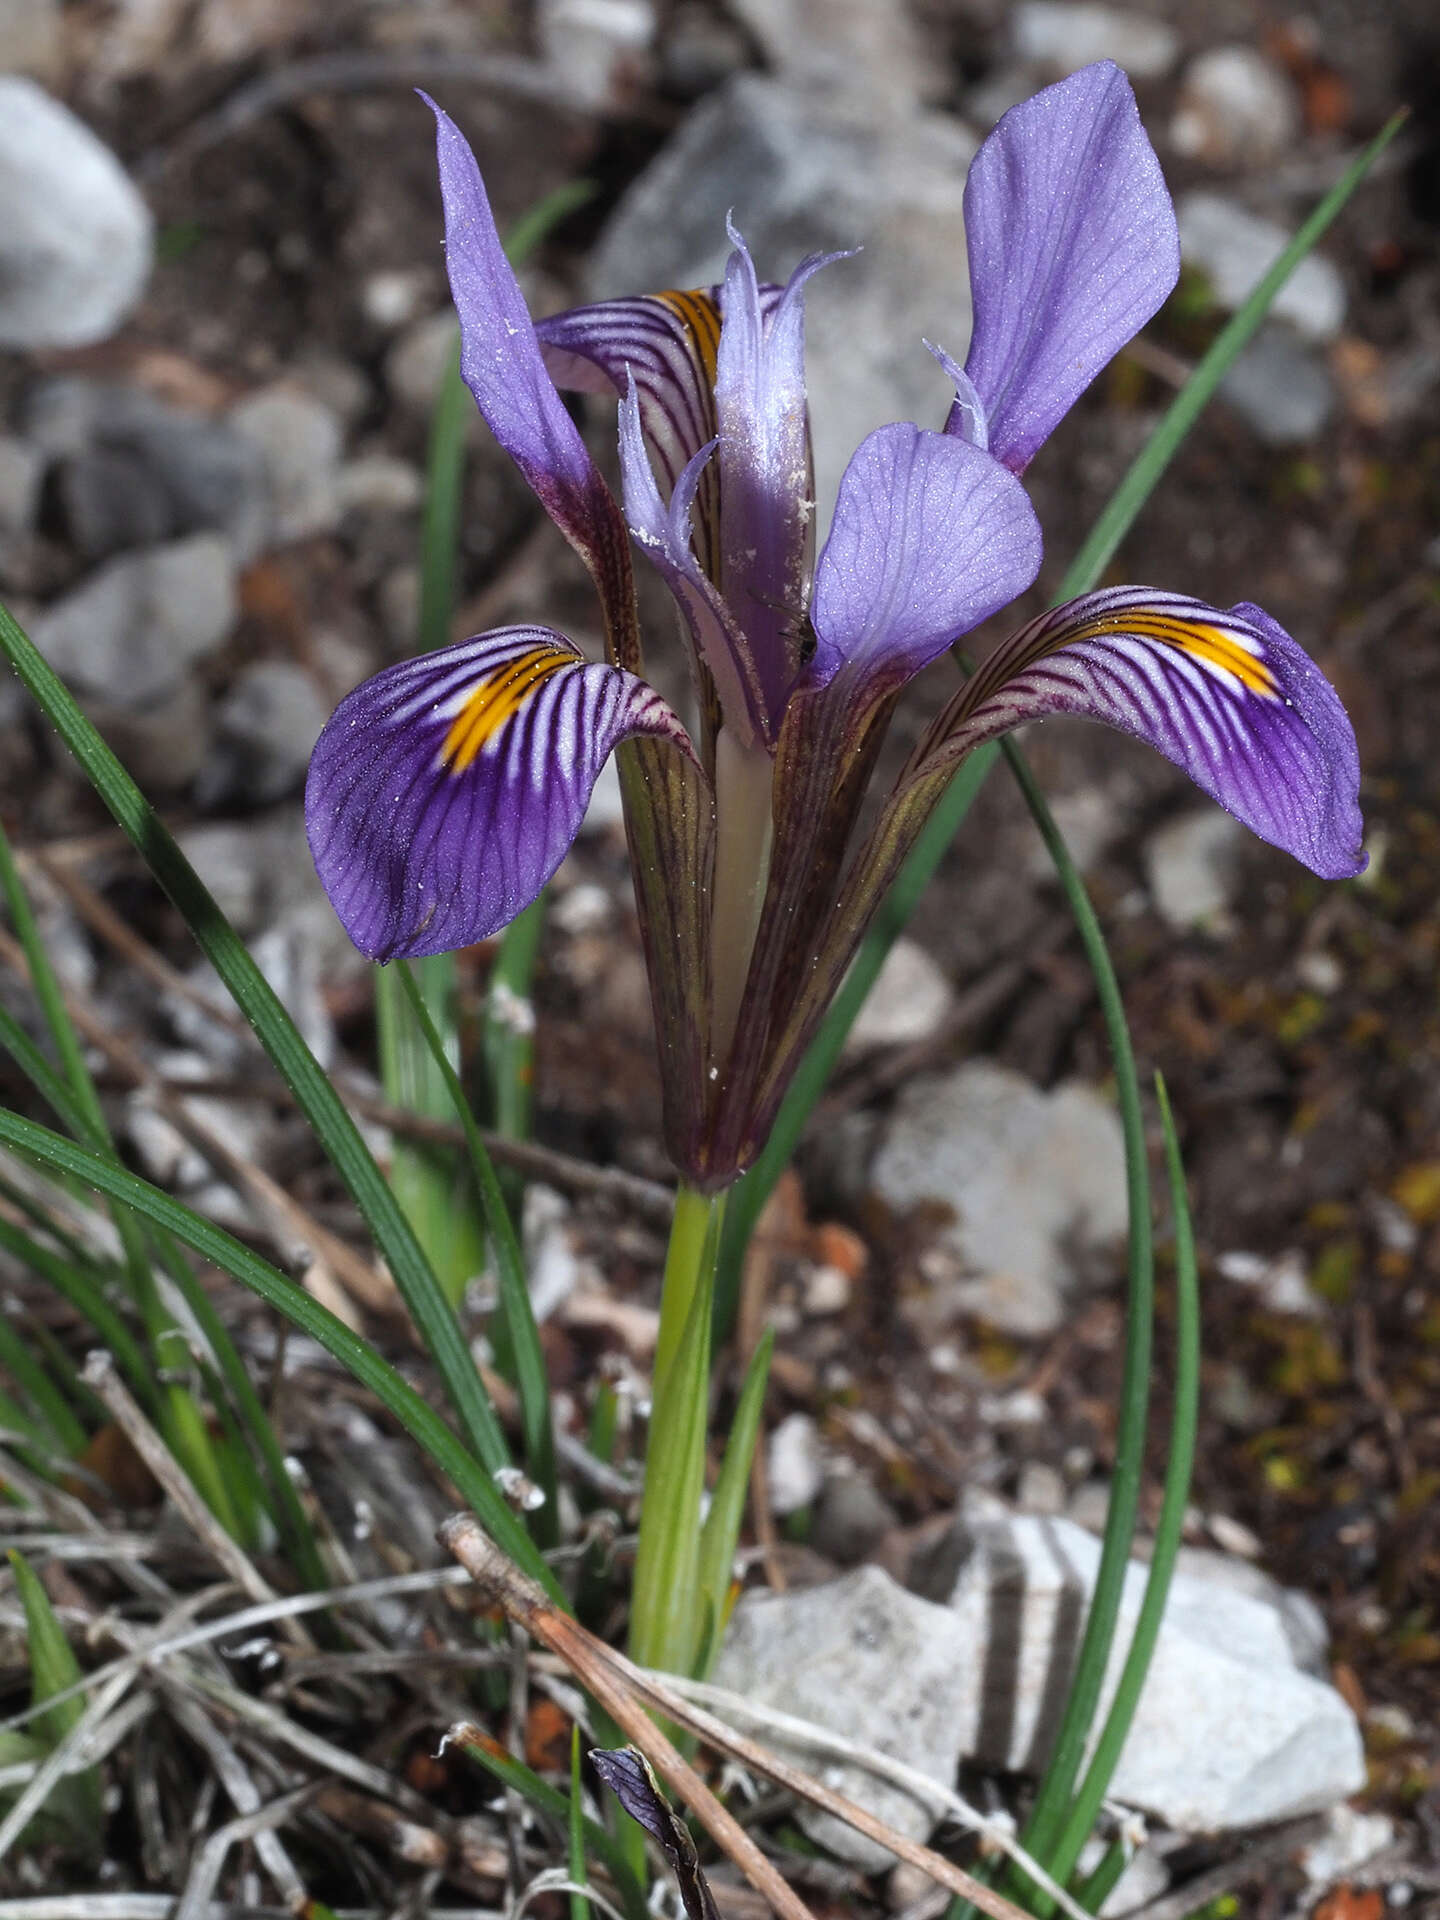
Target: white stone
[
  {"x": 416, "y": 364},
  {"x": 1228, "y": 1732},
  {"x": 268, "y": 723},
  {"x": 976, "y": 1140},
  {"x": 1089, "y": 820},
  {"x": 300, "y": 440},
  {"x": 795, "y": 1463},
  {"x": 1235, "y": 248},
  {"x": 1280, "y": 389},
  {"x": 77, "y": 240},
  {"x": 1282, "y": 1283},
  {"x": 392, "y": 297},
  {"x": 596, "y": 47},
  {"x": 1350, "y": 1839},
  {"x": 1190, "y": 868},
  {"x": 799, "y": 173},
  {"x": 1061, "y": 38},
  {"x": 867, "y": 1660},
  {"x": 380, "y": 483},
  {"x": 128, "y": 632},
  {"x": 1236, "y": 108},
  {"x": 909, "y": 999}
]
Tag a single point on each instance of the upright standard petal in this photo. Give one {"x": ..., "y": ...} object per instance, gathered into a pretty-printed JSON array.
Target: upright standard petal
[
  {"x": 1228, "y": 696},
  {"x": 930, "y": 537},
  {"x": 1073, "y": 246},
  {"x": 767, "y": 505},
  {"x": 503, "y": 367},
  {"x": 444, "y": 792}
]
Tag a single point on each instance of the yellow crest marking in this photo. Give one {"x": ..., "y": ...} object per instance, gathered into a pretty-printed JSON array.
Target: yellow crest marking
[
  {"x": 495, "y": 700},
  {"x": 698, "y": 313},
  {"x": 1211, "y": 646}
]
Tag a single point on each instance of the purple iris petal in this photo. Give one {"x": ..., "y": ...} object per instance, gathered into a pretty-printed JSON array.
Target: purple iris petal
[
  {"x": 501, "y": 361},
  {"x": 930, "y": 537},
  {"x": 444, "y": 792},
  {"x": 1073, "y": 247},
  {"x": 664, "y": 534},
  {"x": 767, "y": 505},
  {"x": 1228, "y": 696}
]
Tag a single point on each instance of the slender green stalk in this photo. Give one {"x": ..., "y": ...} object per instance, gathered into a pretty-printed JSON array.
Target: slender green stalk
[
  {"x": 55, "y": 1413},
  {"x": 727, "y": 1508},
  {"x": 1053, "y": 1799},
  {"x": 54, "y": 1670},
  {"x": 579, "y": 1905},
  {"x": 532, "y": 1381},
  {"x": 474, "y": 1483},
  {"x": 509, "y": 1038},
  {"x": 336, "y": 1131},
  {"x": 1183, "y": 1424},
  {"x": 665, "y": 1608}
]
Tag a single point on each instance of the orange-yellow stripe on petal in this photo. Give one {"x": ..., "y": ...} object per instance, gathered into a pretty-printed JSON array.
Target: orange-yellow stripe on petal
[
  {"x": 699, "y": 313},
  {"x": 493, "y": 701},
  {"x": 1211, "y": 646}
]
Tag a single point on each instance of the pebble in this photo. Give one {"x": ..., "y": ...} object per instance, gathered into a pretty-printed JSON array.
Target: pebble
[
  {"x": 416, "y": 363},
  {"x": 300, "y": 439},
  {"x": 380, "y": 483},
  {"x": 266, "y": 728},
  {"x": 795, "y": 1463},
  {"x": 1190, "y": 869},
  {"x": 699, "y": 50},
  {"x": 1090, "y": 819},
  {"x": 21, "y": 470},
  {"x": 392, "y": 297},
  {"x": 850, "y": 1519},
  {"x": 1349, "y": 1840},
  {"x": 163, "y": 744},
  {"x": 1281, "y": 1283},
  {"x": 128, "y": 633},
  {"x": 1041, "y": 1488},
  {"x": 77, "y": 242},
  {"x": 132, "y": 470},
  {"x": 971, "y": 1140},
  {"x": 1235, "y": 248},
  {"x": 1236, "y": 109},
  {"x": 598, "y": 48},
  {"x": 1280, "y": 389},
  {"x": 827, "y": 1292},
  {"x": 908, "y": 1001},
  {"x": 31, "y": 38},
  {"x": 1059, "y": 38},
  {"x": 868, "y": 51},
  {"x": 800, "y": 172}
]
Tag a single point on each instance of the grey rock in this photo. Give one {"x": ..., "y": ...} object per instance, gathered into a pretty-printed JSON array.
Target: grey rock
[
  {"x": 1059, "y": 38},
  {"x": 802, "y": 173},
  {"x": 266, "y": 728},
  {"x": 232, "y": 858},
  {"x": 1280, "y": 389},
  {"x": 1235, "y": 248},
  {"x": 300, "y": 439},
  {"x": 128, "y": 633},
  {"x": 909, "y": 999},
  {"x": 416, "y": 363},
  {"x": 170, "y": 1159},
  {"x": 1306, "y": 1633},
  {"x": 1041, "y": 1489},
  {"x": 21, "y": 470},
  {"x": 973, "y": 1139},
  {"x": 380, "y": 483},
  {"x": 865, "y": 1659},
  {"x": 30, "y": 38},
  {"x": 865, "y": 50},
  {"x": 1190, "y": 868},
  {"x": 132, "y": 470},
  {"x": 850, "y": 1519},
  {"x": 1236, "y": 109},
  {"x": 1228, "y": 1732},
  {"x": 77, "y": 241},
  {"x": 163, "y": 743},
  {"x": 699, "y": 50}
]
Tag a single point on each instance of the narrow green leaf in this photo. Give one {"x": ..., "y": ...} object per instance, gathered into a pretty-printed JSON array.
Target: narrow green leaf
[
  {"x": 1168, "y": 1532},
  {"x": 579, "y": 1905},
  {"x": 727, "y": 1503},
  {"x": 357, "y": 1356},
  {"x": 252, "y": 993},
  {"x": 533, "y": 1382},
  {"x": 54, "y": 1669},
  {"x": 547, "y": 1800},
  {"x": 56, "y": 1415},
  {"x": 509, "y": 1037}
]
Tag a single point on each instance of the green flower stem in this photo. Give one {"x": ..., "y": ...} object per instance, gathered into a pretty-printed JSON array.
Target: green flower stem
[{"x": 666, "y": 1626}]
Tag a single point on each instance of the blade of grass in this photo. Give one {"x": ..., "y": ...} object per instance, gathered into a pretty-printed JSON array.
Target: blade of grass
[
  {"x": 54, "y": 1670},
  {"x": 474, "y": 1483},
  {"x": 547, "y": 1800},
  {"x": 1169, "y": 1529},
  {"x": 748, "y": 1197},
  {"x": 336, "y": 1131},
  {"x": 532, "y": 1381},
  {"x": 579, "y": 1905},
  {"x": 509, "y": 1038},
  {"x": 727, "y": 1505},
  {"x": 56, "y": 1416}
]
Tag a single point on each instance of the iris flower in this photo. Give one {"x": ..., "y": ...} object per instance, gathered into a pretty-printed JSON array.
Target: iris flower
[{"x": 444, "y": 792}]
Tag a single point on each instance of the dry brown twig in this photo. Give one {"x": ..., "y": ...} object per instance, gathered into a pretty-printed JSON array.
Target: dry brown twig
[{"x": 625, "y": 1692}]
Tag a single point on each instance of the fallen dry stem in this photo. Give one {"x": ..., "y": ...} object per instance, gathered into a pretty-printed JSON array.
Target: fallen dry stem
[{"x": 620, "y": 1688}]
